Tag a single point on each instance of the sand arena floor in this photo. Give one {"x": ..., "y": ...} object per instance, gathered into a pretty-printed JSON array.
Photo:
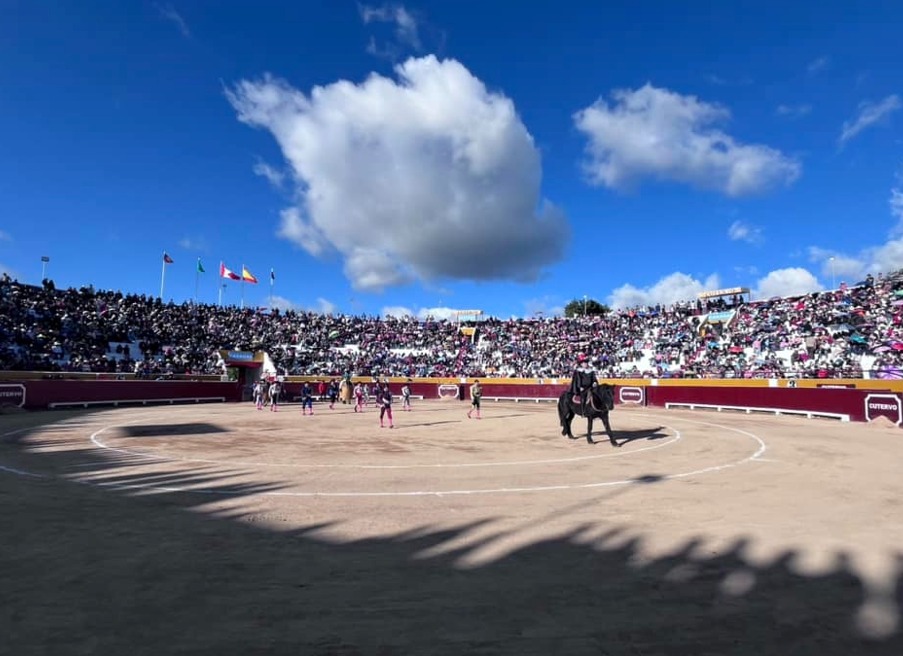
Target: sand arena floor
[{"x": 225, "y": 530}]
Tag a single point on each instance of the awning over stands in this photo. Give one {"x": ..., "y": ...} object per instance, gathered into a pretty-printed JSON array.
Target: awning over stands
[{"x": 730, "y": 291}]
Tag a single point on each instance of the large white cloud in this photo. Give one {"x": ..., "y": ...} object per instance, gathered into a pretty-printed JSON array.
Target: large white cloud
[
  {"x": 656, "y": 133},
  {"x": 875, "y": 259},
  {"x": 322, "y": 306},
  {"x": 670, "y": 289},
  {"x": 682, "y": 287},
  {"x": 793, "y": 281},
  {"x": 399, "y": 311},
  {"x": 882, "y": 258},
  {"x": 426, "y": 177}
]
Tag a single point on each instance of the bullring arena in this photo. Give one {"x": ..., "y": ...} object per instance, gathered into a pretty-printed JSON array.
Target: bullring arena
[{"x": 217, "y": 528}]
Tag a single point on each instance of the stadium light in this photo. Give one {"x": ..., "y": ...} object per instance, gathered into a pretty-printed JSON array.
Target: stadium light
[{"x": 44, "y": 261}]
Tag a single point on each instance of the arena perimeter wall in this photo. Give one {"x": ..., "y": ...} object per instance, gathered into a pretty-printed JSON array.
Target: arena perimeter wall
[{"x": 856, "y": 398}]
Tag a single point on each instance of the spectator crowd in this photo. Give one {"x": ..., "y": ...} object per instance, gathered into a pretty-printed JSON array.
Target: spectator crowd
[{"x": 849, "y": 332}]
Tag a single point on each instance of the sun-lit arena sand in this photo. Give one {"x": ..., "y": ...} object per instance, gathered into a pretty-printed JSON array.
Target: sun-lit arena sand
[{"x": 226, "y": 530}]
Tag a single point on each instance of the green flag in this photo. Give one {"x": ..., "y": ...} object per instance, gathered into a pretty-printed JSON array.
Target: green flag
[{"x": 200, "y": 266}]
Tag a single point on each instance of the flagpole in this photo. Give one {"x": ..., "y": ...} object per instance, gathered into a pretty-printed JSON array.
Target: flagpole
[
  {"x": 272, "y": 282},
  {"x": 197, "y": 280},
  {"x": 221, "y": 285},
  {"x": 163, "y": 277},
  {"x": 242, "y": 286}
]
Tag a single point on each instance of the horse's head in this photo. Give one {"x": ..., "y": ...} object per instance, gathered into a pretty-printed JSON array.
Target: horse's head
[{"x": 605, "y": 395}]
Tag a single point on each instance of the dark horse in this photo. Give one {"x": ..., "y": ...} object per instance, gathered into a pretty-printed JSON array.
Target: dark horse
[{"x": 600, "y": 402}]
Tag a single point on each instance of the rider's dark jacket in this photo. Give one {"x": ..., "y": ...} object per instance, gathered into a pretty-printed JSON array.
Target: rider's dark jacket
[{"x": 583, "y": 379}]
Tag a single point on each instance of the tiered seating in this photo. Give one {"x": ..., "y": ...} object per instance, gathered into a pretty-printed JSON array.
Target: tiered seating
[{"x": 854, "y": 331}]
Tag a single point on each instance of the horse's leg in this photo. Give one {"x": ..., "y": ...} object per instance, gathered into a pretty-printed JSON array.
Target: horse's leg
[
  {"x": 562, "y": 414},
  {"x": 608, "y": 431},
  {"x": 589, "y": 428}
]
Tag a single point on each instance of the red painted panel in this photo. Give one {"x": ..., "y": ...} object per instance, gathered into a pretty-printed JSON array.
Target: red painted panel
[
  {"x": 41, "y": 393},
  {"x": 843, "y": 401}
]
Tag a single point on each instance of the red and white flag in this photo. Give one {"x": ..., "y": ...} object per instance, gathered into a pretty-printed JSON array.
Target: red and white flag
[{"x": 227, "y": 273}]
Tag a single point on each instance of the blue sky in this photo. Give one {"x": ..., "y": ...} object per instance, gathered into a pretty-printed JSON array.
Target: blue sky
[{"x": 408, "y": 157}]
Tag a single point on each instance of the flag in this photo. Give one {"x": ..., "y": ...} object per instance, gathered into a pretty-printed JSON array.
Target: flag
[
  {"x": 226, "y": 273},
  {"x": 272, "y": 275},
  {"x": 166, "y": 258},
  {"x": 247, "y": 276},
  {"x": 200, "y": 267}
]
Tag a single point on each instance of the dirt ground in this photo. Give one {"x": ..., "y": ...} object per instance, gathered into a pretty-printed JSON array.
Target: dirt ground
[{"x": 220, "y": 529}]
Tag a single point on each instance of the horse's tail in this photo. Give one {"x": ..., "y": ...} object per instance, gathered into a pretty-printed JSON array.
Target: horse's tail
[{"x": 562, "y": 408}]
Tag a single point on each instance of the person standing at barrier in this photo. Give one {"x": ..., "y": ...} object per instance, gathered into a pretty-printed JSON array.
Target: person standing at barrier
[
  {"x": 258, "y": 395},
  {"x": 333, "y": 393},
  {"x": 384, "y": 399},
  {"x": 358, "y": 398},
  {"x": 307, "y": 399},
  {"x": 476, "y": 393},
  {"x": 275, "y": 390},
  {"x": 406, "y": 397}
]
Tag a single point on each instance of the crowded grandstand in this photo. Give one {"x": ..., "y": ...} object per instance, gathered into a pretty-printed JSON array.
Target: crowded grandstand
[{"x": 851, "y": 332}]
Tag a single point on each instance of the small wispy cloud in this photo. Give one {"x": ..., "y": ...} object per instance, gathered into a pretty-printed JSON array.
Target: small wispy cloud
[
  {"x": 751, "y": 270},
  {"x": 273, "y": 175},
  {"x": 793, "y": 111},
  {"x": 169, "y": 13},
  {"x": 12, "y": 273},
  {"x": 869, "y": 114},
  {"x": 407, "y": 30},
  {"x": 896, "y": 203},
  {"x": 325, "y": 306},
  {"x": 818, "y": 65},
  {"x": 193, "y": 244},
  {"x": 5, "y": 236},
  {"x": 740, "y": 231}
]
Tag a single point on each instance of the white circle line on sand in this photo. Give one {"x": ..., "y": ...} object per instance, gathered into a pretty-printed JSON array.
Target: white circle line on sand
[
  {"x": 440, "y": 493},
  {"x": 13, "y": 470},
  {"x": 95, "y": 439}
]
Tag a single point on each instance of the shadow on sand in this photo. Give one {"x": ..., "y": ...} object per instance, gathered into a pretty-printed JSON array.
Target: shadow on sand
[{"x": 124, "y": 571}]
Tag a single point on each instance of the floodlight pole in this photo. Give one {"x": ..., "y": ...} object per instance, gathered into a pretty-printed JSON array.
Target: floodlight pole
[
  {"x": 44, "y": 261},
  {"x": 584, "y": 306}
]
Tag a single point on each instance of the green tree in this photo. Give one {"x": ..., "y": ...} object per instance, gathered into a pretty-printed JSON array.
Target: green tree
[{"x": 591, "y": 307}]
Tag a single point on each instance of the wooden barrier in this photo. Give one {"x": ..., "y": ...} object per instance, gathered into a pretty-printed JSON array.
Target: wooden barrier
[{"x": 851, "y": 403}]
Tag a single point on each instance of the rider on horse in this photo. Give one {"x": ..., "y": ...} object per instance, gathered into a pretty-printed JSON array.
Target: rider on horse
[{"x": 582, "y": 382}]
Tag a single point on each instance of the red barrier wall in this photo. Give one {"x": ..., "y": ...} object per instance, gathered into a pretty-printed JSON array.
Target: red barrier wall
[
  {"x": 859, "y": 404},
  {"x": 41, "y": 393},
  {"x": 850, "y": 402}
]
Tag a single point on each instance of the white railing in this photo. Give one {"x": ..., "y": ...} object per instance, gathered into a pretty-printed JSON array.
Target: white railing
[
  {"x": 518, "y": 399},
  {"x": 808, "y": 414},
  {"x": 118, "y": 402}
]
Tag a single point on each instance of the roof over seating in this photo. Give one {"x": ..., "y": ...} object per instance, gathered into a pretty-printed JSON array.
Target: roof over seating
[{"x": 730, "y": 291}]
